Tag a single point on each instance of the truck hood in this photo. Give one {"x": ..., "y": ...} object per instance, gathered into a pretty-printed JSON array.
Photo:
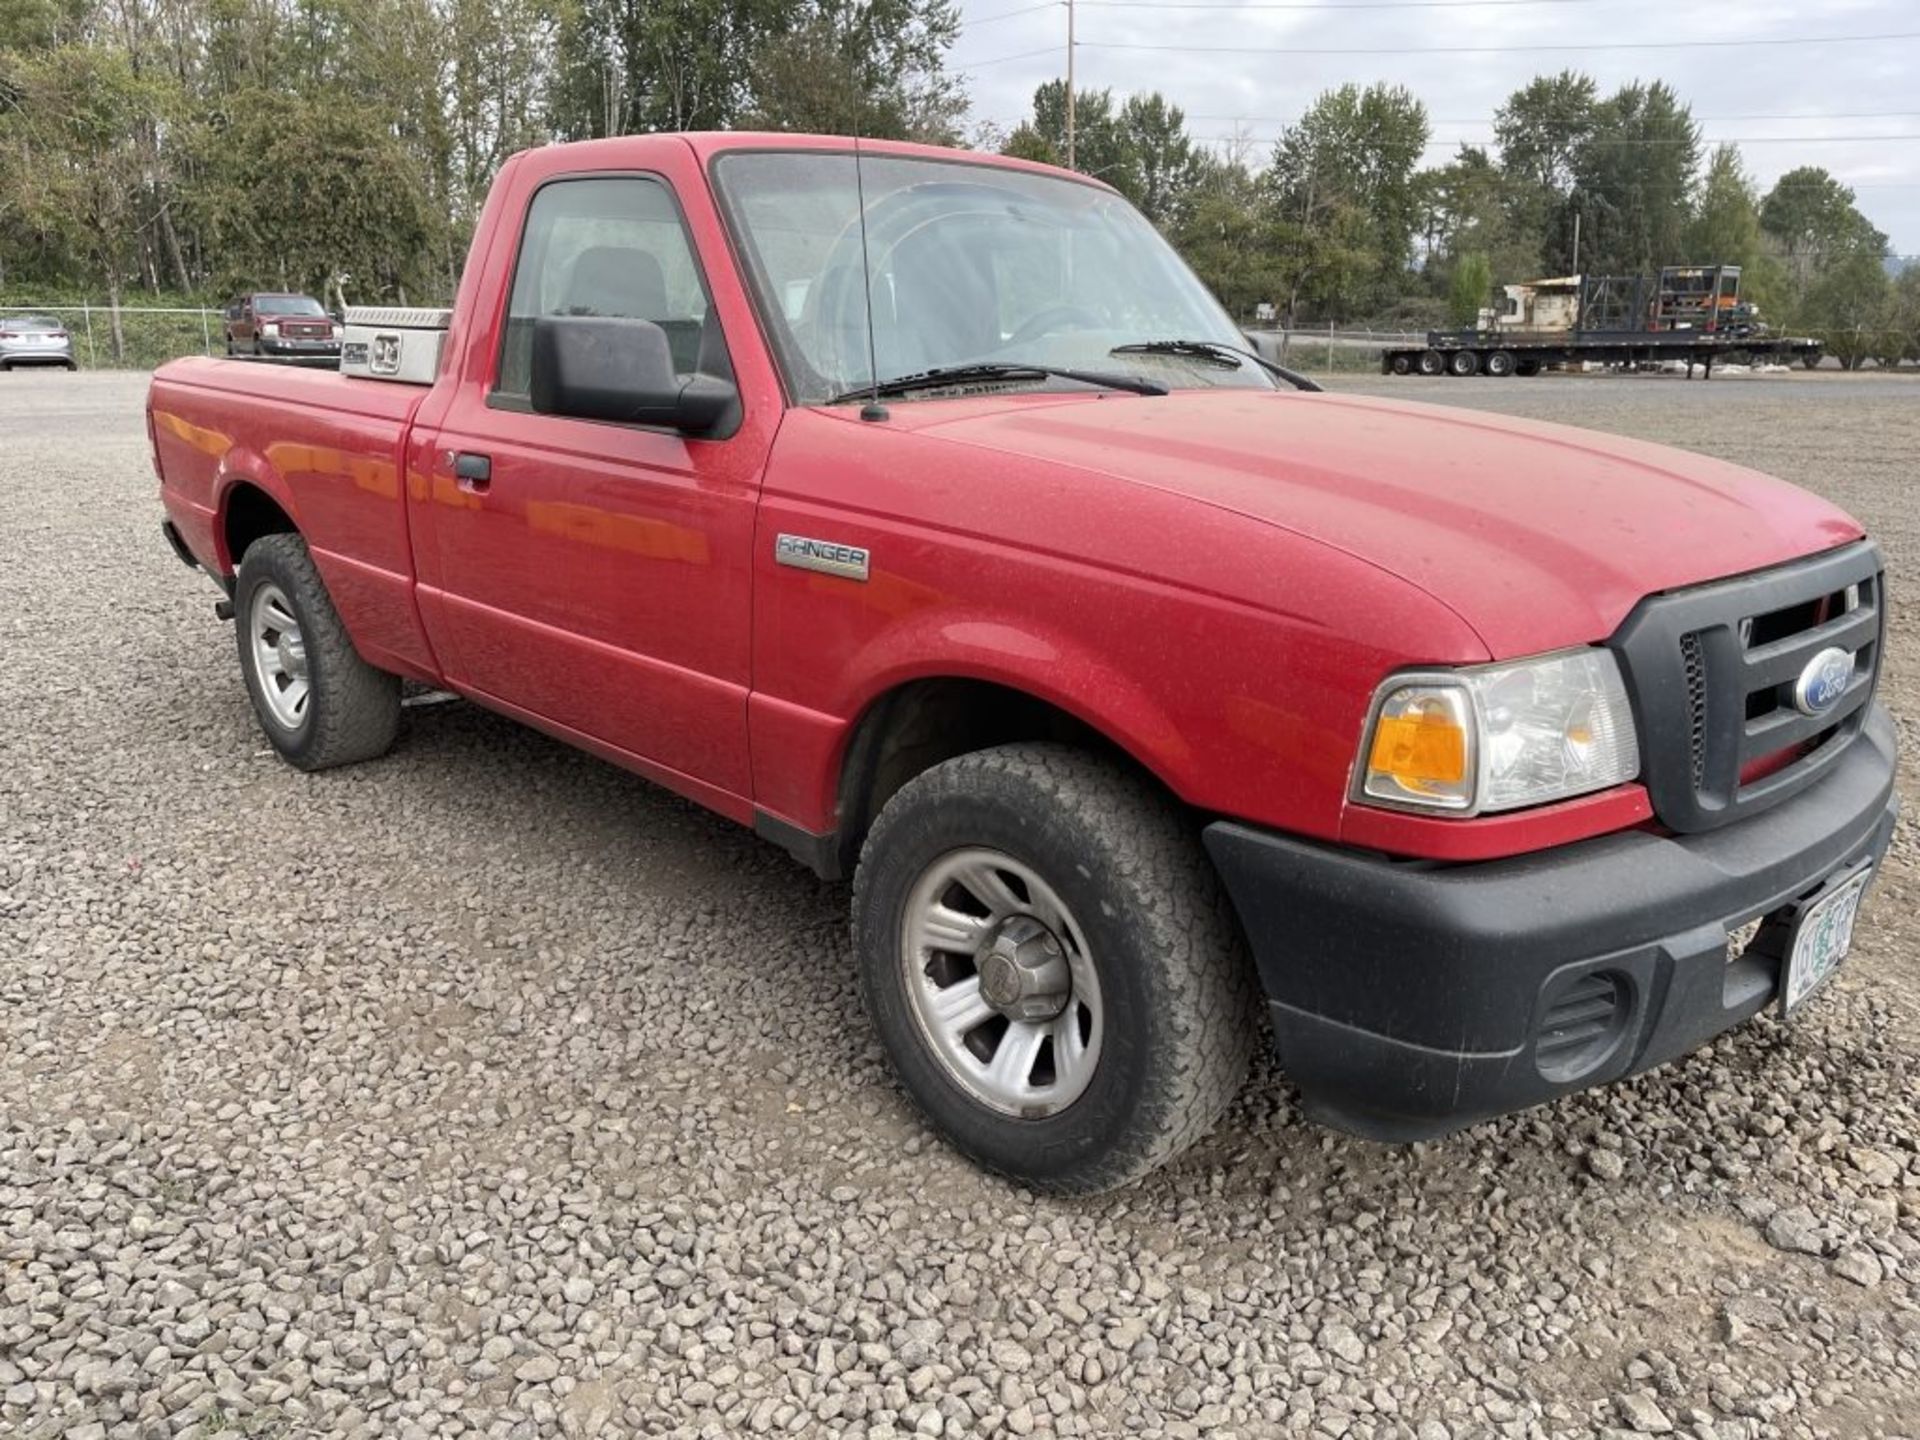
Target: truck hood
[{"x": 1537, "y": 535}]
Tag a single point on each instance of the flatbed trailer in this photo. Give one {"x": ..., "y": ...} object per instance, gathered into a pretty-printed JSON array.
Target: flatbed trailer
[{"x": 1479, "y": 352}]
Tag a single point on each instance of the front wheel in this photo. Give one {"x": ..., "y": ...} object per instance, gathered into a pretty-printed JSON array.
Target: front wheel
[
  {"x": 1052, "y": 965},
  {"x": 320, "y": 704}
]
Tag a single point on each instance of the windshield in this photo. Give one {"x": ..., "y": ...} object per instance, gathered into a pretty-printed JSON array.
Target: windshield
[
  {"x": 42, "y": 323},
  {"x": 287, "y": 305},
  {"x": 970, "y": 264}
]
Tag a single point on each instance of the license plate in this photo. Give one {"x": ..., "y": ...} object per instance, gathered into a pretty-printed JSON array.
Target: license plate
[{"x": 1821, "y": 939}]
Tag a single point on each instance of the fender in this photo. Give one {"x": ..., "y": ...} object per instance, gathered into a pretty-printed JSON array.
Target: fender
[
  {"x": 800, "y": 754},
  {"x": 243, "y": 466}
]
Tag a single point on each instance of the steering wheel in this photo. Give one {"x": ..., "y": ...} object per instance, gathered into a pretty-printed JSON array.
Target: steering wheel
[{"x": 1053, "y": 318}]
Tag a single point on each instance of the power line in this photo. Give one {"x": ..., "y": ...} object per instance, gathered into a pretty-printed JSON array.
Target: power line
[
  {"x": 1704, "y": 140},
  {"x": 1007, "y": 59},
  {"x": 1310, "y": 5},
  {"x": 1493, "y": 49},
  {"x": 1000, "y": 15},
  {"x": 1482, "y": 120}
]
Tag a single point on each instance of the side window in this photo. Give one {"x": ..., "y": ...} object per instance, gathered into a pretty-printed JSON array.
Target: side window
[{"x": 608, "y": 246}]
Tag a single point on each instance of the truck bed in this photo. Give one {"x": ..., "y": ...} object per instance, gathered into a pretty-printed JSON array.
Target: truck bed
[{"x": 326, "y": 449}]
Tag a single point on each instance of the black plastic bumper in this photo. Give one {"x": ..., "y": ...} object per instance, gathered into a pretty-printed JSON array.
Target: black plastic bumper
[{"x": 1409, "y": 999}]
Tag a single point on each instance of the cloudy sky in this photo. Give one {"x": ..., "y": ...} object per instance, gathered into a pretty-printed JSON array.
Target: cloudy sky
[{"x": 1248, "y": 67}]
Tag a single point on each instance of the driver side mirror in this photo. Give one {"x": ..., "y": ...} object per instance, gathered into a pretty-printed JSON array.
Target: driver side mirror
[{"x": 604, "y": 367}]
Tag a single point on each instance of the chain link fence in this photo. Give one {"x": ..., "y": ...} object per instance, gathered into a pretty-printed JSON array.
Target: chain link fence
[
  {"x": 133, "y": 337},
  {"x": 139, "y": 337}
]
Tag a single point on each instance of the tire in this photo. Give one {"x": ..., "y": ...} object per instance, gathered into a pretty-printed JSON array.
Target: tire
[
  {"x": 1401, "y": 364},
  {"x": 1811, "y": 361},
  {"x": 1158, "y": 988},
  {"x": 348, "y": 711},
  {"x": 1499, "y": 364},
  {"x": 1462, "y": 363},
  {"x": 1432, "y": 362},
  {"x": 1526, "y": 369}
]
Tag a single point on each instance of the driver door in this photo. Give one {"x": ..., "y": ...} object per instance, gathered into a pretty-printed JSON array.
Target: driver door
[{"x": 593, "y": 576}]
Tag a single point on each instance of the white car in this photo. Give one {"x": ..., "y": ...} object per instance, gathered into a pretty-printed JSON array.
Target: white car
[{"x": 34, "y": 340}]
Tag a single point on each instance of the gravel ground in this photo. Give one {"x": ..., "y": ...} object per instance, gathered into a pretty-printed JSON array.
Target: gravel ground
[{"x": 486, "y": 1089}]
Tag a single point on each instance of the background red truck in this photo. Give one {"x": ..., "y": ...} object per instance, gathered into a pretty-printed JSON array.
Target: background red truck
[{"x": 921, "y": 510}]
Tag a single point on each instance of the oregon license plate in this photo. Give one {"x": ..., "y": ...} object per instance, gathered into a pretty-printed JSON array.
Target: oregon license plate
[{"x": 1821, "y": 939}]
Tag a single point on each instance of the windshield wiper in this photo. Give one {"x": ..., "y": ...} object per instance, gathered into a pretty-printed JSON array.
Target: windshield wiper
[
  {"x": 1220, "y": 353},
  {"x": 991, "y": 370}
]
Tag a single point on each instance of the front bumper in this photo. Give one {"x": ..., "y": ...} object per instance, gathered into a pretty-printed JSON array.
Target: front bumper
[
  {"x": 1409, "y": 999},
  {"x": 315, "y": 349}
]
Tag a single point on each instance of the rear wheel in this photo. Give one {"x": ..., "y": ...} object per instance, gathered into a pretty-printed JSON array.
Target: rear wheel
[
  {"x": 1402, "y": 364},
  {"x": 1499, "y": 364},
  {"x": 1525, "y": 368},
  {"x": 1432, "y": 362},
  {"x": 1052, "y": 965},
  {"x": 319, "y": 703},
  {"x": 1462, "y": 363}
]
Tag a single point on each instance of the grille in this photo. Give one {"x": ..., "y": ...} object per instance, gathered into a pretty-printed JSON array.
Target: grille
[
  {"x": 1695, "y": 665},
  {"x": 1582, "y": 1024},
  {"x": 1711, "y": 672}
]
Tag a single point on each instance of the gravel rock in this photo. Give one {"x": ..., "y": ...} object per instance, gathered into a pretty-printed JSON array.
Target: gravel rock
[
  {"x": 487, "y": 1090},
  {"x": 1859, "y": 1266},
  {"x": 1643, "y": 1413},
  {"x": 1607, "y": 1164},
  {"x": 1797, "y": 1230}
]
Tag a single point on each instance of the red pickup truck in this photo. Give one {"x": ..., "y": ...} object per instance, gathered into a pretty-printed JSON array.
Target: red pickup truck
[{"x": 921, "y": 510}]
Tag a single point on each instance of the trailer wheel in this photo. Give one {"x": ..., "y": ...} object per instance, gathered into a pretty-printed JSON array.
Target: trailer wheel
[
  {"x": 1401, "y": 364},
  {"x": 1526, "y": 368},
  {"x": 1499, "y": 364},
  {"x": 1463, "y": 363},
  {"x": 1431, "y": 362},
  {"x": 1811, "y": 359}
]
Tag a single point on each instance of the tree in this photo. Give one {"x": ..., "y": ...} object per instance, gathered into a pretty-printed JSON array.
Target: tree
[
  {"x": 301, "y": 191},
  {"x": 1344, "y": 174},
  {"x": 1101, "y": 145},
  {"x": 73, "y": 138},
  {"x": 1227, "y": 232},
  {"x": 1848, "y": 305},
  {"x": 1542, "y": 127},
  {"x": 862, "y": 70},
  {"x": 624, "y": 66},
  {"x": 1027, "y": 143},
  {"x": 1165, "y": 166},
  {"x": 1830, "y": 255},
  {"x": 1633, "y": 181},
  {"x": 1469, "y": 290},
  {"x": 1473, "y": 206},
  {"x": 1725, "y": 229},
  {"x": 1812, "y": 217}
]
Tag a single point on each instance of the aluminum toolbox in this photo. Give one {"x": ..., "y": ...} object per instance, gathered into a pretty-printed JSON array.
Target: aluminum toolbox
[{"x": 393, "y": 343}]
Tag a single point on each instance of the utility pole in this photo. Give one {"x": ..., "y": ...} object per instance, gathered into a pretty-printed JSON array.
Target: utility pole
[
  {"x": 1070, "y": 84},
  {"x": 1576, "y": 242}
]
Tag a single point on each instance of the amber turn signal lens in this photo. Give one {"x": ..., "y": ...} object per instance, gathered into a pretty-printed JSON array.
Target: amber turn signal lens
[{"x": 1421, "y": 748}]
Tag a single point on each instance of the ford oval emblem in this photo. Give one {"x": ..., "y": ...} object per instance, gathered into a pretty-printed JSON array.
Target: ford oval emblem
[{"x": 1823, "y": 681}]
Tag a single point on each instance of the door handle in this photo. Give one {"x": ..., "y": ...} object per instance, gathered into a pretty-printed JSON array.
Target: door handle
[{"x": 474, "y": 472}]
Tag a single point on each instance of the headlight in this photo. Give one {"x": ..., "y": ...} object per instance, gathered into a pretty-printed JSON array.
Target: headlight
[{"x": 1497, "y": 737}]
